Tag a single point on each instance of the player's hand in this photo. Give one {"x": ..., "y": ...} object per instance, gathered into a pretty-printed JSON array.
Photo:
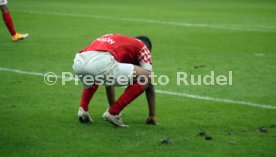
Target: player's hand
[{"x": 151, "y": 120}]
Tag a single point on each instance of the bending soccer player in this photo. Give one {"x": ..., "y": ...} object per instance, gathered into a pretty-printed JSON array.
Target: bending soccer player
[
  {"x": 8, "y": 21},
  {"x": 109, "y": 59}
]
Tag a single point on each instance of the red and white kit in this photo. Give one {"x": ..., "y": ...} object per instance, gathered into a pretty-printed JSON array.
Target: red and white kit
[{"x": 112, "y": 54}]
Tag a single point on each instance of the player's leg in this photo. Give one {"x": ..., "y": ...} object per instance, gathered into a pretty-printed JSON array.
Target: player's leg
[
  {"x": 9, "y": 23},
  {"x": 131, "y": 92},
  {"x": 142, "y": 76},
  {"x": 88, "y": 66},
  {"x": 89, "y": 90},
  {"x": 7, "y": 19},
  {"x": 87, "y": 95}
]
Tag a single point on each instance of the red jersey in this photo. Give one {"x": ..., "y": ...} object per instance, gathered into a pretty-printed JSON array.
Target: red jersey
[{"x": 124, "y": 49}]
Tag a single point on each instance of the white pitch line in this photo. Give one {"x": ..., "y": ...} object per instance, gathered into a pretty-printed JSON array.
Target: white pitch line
[
  {"x": 267, "y": 106},
  {"x": 217, "y": 99},
  {"x": 237, "y": 27},
  {"x": 21, "y": 72}
]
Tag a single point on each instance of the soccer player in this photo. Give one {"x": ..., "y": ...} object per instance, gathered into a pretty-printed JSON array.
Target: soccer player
[
  {"x": 118, "y": 56},
  {"x": 8, "y": 21}
]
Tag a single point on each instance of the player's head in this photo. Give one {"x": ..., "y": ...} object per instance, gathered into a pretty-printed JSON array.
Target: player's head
[{"x": 145, "y": 40}]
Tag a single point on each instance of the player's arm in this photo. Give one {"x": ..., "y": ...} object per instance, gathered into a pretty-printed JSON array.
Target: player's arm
[
  {"x": 145, "y": 62},
  {"x": 150, "y": 94},
  {"x": 110, "y": 94}
]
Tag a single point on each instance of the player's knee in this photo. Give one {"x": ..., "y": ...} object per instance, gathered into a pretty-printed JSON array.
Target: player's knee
[
  {"x": 4, "y": 9},
  {"x": 144, "y": 79},
  {"x": 148, "y": 73}
]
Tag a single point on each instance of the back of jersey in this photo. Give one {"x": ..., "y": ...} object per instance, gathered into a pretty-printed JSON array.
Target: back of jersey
[{"x": 125, "y": 49}]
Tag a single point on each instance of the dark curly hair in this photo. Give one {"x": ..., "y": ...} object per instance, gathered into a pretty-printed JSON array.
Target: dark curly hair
[{"x": 145, "y": 40}]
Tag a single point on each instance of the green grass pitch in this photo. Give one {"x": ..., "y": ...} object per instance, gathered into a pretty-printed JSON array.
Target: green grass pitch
[{"x": 237, "y": 35}]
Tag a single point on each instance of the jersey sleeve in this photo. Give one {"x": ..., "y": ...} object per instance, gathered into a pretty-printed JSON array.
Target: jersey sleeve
[{"x": 144, "y": 59}]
